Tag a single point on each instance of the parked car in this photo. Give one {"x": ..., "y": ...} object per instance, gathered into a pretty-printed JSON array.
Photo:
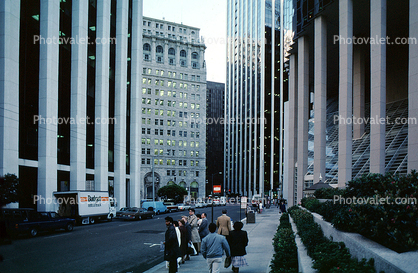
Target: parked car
[
  {"x": 158, "y": 206},
  {"x": 171, "y": 206},
  {"x": 31, "y": 222},
  {"x": 137, "y": 214},
  {"x": 121, "y": 211},
  {"x": 183, "y": 206},
  {"x": 216, "y": 202},
  {"x": 200, "y": 204}
]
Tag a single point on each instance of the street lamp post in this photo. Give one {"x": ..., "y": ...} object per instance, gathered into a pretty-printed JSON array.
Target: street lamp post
[
  {"x": 153, "y": 182},
  {"x": 212, "y": 194}
]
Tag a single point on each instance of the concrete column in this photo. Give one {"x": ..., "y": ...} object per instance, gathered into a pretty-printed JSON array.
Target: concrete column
[
  {"x": 345, "y": 129},
  {"x": 202, "y": 57},
  {"x": 80, "y": 11},
  {"x": 165, "y": 52},
  {"x": 177, "y": 55},
  {"x": 286, "y": 159},
  {"x": 378, "y": 86},
  {"x": 293, "y": 117},
  {"x": 120, "y": 100},
  {"x": 153, "y": 40},
  {"x": 189, "y": 56},
  {"x": 320, "y": 103},
  {"x": 9, "y": 87},
  {"x": 359, "y": 79},
  {"x": 303, "y": 114},
  {"x": 48, "y": 102},
  {"x": 412, "y": 88},
  {"x": 137, "y": 188},
  {"x": 101, "y": 130}
]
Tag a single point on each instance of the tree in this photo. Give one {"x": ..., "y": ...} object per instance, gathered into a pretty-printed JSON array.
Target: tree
[
  {"x": 172, "y": 192},
  {"x": 8, "y": 189}
]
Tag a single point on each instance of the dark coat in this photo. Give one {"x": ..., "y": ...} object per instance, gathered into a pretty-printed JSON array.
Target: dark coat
[
  {"x": 203, "y": 228},
  {"x": 171, "y": 249},
  {"x": 189, "y": 232},
  {"x": 238, "y": 240},
  {"x": 184, "y": 242}
]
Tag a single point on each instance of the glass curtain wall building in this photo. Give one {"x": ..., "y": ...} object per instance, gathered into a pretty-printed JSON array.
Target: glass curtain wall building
[
  {"x": 70, "y": 103},
  {"x": 256, "y": 86}
]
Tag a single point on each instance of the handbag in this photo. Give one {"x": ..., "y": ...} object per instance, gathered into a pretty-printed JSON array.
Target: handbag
[
  {"x": 228, "y": 261},
  {"x": 191, "y": 249}
]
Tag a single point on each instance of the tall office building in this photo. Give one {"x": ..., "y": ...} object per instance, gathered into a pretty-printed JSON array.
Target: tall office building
[
  {"x": 352, "y": 92},
  {"x": 256, "y": 87},
  {"x": 173, "y": 107},
  {"x": 215, "y": 108},
  {"x": 71, "y": 97}
]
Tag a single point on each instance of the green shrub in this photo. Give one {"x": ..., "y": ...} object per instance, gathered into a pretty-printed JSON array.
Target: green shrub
[
  {"x": 310, "y": 203},
  {"x": 392, "y": 225},
  {"x": 328, "y": 256},
  {"x": 328, "y": 193},
  {"x": 285, "y": 258}
]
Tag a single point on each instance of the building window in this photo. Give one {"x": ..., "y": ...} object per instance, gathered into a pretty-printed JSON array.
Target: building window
[{"x": 182, "y": 53}]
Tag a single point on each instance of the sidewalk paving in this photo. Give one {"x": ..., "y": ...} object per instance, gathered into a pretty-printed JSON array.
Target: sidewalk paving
[{"x": 259, "y": 250}]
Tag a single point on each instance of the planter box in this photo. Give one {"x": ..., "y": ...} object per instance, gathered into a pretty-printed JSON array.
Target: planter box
[
  {"x": 304, "y": 261},
  {"x": 361, "y": 247}
]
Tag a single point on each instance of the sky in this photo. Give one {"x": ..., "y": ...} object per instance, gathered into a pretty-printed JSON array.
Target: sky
[{"x": 209, "y": 16}]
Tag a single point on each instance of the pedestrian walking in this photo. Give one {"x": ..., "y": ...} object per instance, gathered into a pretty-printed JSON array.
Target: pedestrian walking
[
  {"x": 195, "y": 229},
  {"x": 171, "y": 245},
  {"x": 183, "y": 240},
  {"x": 213, "y": 246},
  {"x": 282, "y": 207},
  {"x": 223, "y": 223},
  {"x": 203, "y": 228},
  {"x": 260, "y": 207},
  {"x": 238, "y": 240}
]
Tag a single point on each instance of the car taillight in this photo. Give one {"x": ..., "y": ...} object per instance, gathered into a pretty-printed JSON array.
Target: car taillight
[{"x": 17, "y": 226}]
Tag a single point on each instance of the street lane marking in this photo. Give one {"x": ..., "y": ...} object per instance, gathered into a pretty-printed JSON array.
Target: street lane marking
[
  {"x": 126, "y": 224},
  {"x": 57, "y": 235},
  {"x": 151, "y": 244}
]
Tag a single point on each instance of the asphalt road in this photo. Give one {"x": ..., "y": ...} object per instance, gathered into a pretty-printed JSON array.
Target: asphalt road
[{"x": 117, "y": 246}]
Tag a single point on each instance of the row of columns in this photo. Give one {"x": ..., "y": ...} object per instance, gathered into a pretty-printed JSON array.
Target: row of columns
[
  {"x": 9, "y": 86},
  {"x": 351, "y": 98},
  {"x": 48, "y": 97}
]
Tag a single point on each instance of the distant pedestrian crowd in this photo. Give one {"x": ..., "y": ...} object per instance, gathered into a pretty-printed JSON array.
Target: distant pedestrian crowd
[{"x": 193, "y": 235}]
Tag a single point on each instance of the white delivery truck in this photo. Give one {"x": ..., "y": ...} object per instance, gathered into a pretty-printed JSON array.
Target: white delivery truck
[{"x": 86, "y": 207}]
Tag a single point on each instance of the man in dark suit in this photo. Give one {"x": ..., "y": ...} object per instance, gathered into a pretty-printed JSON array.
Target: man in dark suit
[
  {"x": 171, "y": 249},
  {"x": 203, "y": 228}
]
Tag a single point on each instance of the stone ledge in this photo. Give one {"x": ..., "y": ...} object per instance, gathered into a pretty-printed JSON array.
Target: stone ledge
[
  {"x": 361, "y": 247},
  {"x": 304, "y": 261}
]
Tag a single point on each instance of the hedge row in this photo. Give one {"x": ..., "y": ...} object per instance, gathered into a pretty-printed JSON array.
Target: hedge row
[
  {"x": 328, "y": 256},
  {"x": 388, "y": 223},
  {"x": 285, "y": 258}
]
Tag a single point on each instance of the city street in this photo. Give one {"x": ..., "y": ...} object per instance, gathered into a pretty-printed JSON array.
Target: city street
[{"x": 117, "y": 246}]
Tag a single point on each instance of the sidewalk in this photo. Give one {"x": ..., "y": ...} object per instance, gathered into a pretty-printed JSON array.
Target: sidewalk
[{"x": 259, "y": 250}]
